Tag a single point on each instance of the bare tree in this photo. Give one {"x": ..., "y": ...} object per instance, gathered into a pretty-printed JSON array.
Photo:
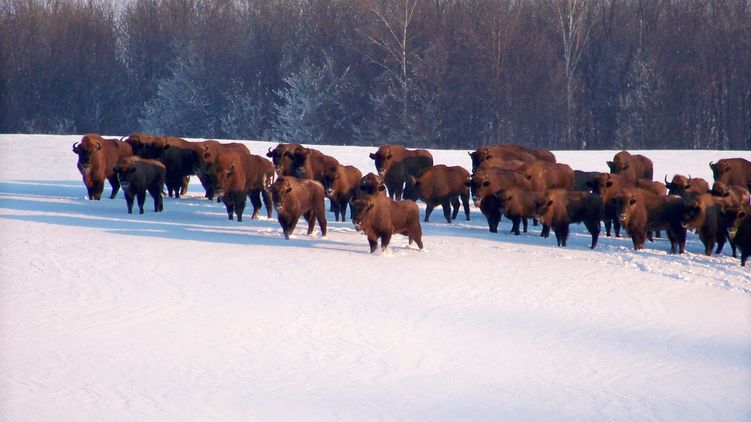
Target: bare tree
[{"x": 576, "y": 25}]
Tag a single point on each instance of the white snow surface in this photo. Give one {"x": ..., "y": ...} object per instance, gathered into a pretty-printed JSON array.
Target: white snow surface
[{"x": 187, "y": 316}]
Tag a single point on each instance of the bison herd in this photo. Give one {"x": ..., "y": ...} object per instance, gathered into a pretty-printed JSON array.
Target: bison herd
[{"x": 506, "y": 180}]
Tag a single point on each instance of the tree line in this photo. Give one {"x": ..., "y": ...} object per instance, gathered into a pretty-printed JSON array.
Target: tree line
[{"x": 563, "y": 74}]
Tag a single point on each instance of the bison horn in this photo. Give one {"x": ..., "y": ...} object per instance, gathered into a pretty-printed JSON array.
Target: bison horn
[
  {"x": 666, "y": 179},
  {"x": 75, "y": 146},
  {"x": 121, "y": 138},
  {"x": 689, "y": 178},
  {"x": 388, "y": 148},
  {"x": 269, "y": 149}
]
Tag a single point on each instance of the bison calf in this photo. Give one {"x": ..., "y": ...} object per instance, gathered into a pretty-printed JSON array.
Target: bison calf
[
  {"x": 440, "y": 185},
  {"x": 341, "y": 184},
  {"x": 381, "y": 217},
  {"x": 139, "y": 175},
  {"x": 293, "y": 197},
  {"x": 518, "y": 205}
]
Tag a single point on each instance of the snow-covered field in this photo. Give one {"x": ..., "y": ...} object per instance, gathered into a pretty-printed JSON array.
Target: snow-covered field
[{"x": 185, "y": 315}]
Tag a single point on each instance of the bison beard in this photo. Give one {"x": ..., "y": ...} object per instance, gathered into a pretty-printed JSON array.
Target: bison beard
[{"x": 380, "y": 217}]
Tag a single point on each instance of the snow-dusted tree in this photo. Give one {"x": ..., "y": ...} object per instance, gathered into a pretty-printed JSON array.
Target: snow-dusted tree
[
  {"x": 181, "y": 105},
  {"x": 309, "y": 109},
  {"x": 637, "y": 103},
  {"x": 243, "y": 116}
]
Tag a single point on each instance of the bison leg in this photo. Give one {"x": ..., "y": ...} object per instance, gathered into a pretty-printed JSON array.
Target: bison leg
[
  {"x": 255, "y": 200},
  {"x": 373, "y": 244},
  {"x": 446, "y": 205},
  {"x": 524, "y": 224},
  {"x": 465, "y": 203},
  {"x": 545, "y": 232},
  {"x": 129, "y": 202},
  {"x": 493, "y": 221},
  {"x": 141, "y": 196},
  {"x": 184, "y": 185},
  {"x": 156, "y": 195},
  {"x": 230, "y": 207},
  {"x": 638, "y": 238},
  {"x": 321, "y": 217},
  {"x": 309, "y": 217},
  {"x": 428, "y": 211},
  {"x": 455, "y": 204},
  {"x": 617, "y": 227},
  {"x": 593, "y": 227},
  {"x": 608, "y": 224},
  {"x": 98, "y": 189},
  {"x": 385, "y": 240},
  {"x": 115, "y": 186},
  {"x": 744, "y": 256},
  {"x": 267, "y": 201},
  {"x": 240, "y": 207},
  {"x": 515, "y": 220}
]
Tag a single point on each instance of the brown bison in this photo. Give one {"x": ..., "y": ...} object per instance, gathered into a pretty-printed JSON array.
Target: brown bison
[
  {"x": 711, "y": 217},
  {"x": 282, "y": 158},
  {"x": 558, "y": 208},
  {"x": 630, "y": 166},
  {"x": 498, "y": 153},
  {"x": 682, "y": 184},
  {"x": 240, "y": 175},
  {"x": 295, "y": 197},
  {"x": 440, "y": 185},
  {"x": 379, "y": 217},
  {"x": 309, "y": 163},
  {"x": 642, "y": 211},
  {"x": 501, "y": 164},
  {"x": 395, "y": 163},
  {"x": 485, "y": 183},
  {"x": 371, "y": 184},
  {"x": 544, "y": 176},
  {"x": 607, "y": 185},
  {"x": 737, "y": 194},
  {"x": 732, "y": 171},
  {"x": 740, "y": 233},
  {"x": 96, "y": 159},
  {"x": 517, "y": 205},
  {"x": 340, "y": 184},
  {"x": 138, "y": 176},
  {"x": 207, "y": 151}
]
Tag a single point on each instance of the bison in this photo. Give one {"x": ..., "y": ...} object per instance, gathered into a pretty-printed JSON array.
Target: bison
[
  {"x": 239, "y": 175},
  {"x": 630, "y": 166},
  {"x": 517, "y": 205},
  {"x": 340, "y": 184},
  {"x": 138, "y": 176},
  {"x": 680, "y": 185},
  {"x": 379, "y": 217},
  {"x": 440, "y": 185},
  {"x": 207, "y": 151},
  {"x": 711, "y": 217},
  {"x": 558, "y": 208},
  {"x": 282, "y": 158},
  {"x": 544, "y": 176},
  {"x": 485, "y": 183},
  {"x": 309, "y": 163},
  {"x": 607, "y": 185},
  {"x": 395, "y": 163},
  {"x": 178, "y": 156},
  {"x": 740, "y": 233},
  {"x": 736, "y": 194},
  {"x": 642, "y": 211},
  {"x": 732, "y": 171},
  {"x": 295, "y": 197},
  {"x": 96, "y": 159}
]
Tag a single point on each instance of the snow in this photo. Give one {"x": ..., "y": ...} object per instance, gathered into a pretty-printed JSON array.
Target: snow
[{"x": 185, "y": 315}]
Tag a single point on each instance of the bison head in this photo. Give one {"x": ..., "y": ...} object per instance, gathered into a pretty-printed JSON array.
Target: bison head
[
  {"x": 360, "y": 209},
  {"x": 125, "y": 169},
  {"x": 384, "y": 159},
  {"x": 280, "y": 191},
  {"x": 411, "y": 189},
  {"x": 330, "y": 180},
  {"x": 371, "y": 184},
  {"x": 279, "y": 156},
  {"x": 299, "y": 160},
  {"x": 720, "y": 170},
  {"x": 678, "y": 185}
]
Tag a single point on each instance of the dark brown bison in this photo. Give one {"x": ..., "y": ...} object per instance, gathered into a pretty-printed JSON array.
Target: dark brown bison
[
  {"x": 544, "y": 176},
  {"x": 485, "y": 183},
  {"x": 340, "y": 184},
  {"x": 711, "y": 217},
  {"x": 558, "y": 208},
  {"x": 240, "y": 175},
  {"x": 298, "y": 197},
  {"x": 740, "y": 233},
  {"x": 179, "y": 156},
  {"x": 395, "y": 163},
  {"x": 642, "y": 211},
  {"x": 607, "y": 185},
  {"x": 282, "y": 158},
  {"x": 583, "y": 180},
  {"x": 207, "y": 152},
  {"x": 138, "y": 176},
  {"x": 440, "y": 185},
  {"x": 309, "y": 163},
  {"x": 96, "y": 159},
  {"x": 379, "y": 217},
  {"x": 630, "y": 166},
  {"x": 517, "y": 205},
  {"x": 682, "y": 184},
  {"x": 732, "y": 171}
]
